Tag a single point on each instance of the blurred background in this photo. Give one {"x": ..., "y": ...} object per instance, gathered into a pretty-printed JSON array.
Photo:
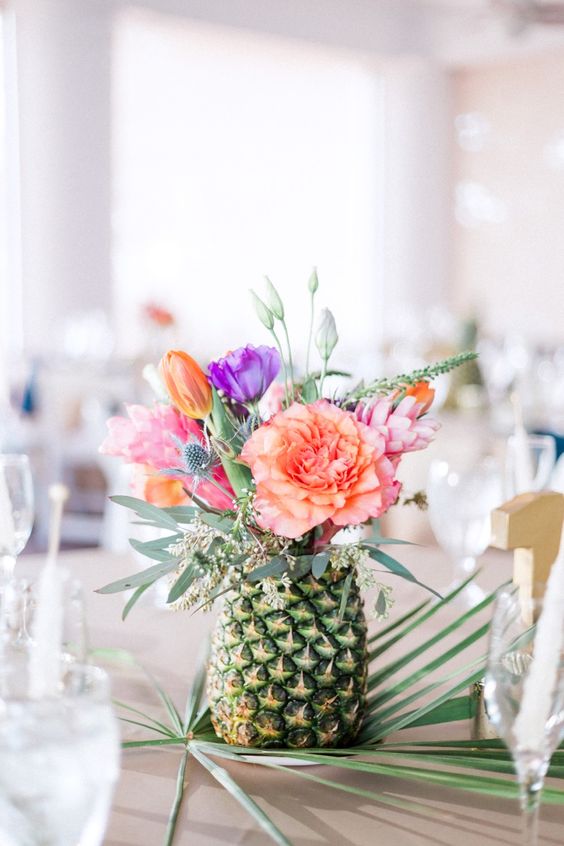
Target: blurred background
[{"x": 158, "y": 157}]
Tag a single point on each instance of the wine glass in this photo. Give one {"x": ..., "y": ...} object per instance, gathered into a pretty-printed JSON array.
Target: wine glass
[
  {"x": 524, "y": 691},
  {"x": 16, "y": 511},
  {"x": 59, "y": 762},
  {"x": 17, "y": 615},
  {"x": 529, "y": 463},
  {"x": 461, "y": 499}
]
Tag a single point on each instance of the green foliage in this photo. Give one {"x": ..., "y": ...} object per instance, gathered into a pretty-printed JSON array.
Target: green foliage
[
  {"x": 425, "y": 374},
  {"x": 460, "y": 764}
]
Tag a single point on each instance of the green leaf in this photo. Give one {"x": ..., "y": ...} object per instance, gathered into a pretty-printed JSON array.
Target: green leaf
[
  {"x": 158, "y": 543},
  {"x": 395, "y": 567},
  {"x": 381, "y": 604},
  {"x": 147, "y": 511},
  {"x": 249, "y": 804},
  {"x": 155, "y": 723},
  {"x": 147, "y": 726},
  {"x": 400, "y": 621},
  {"x": 425, "y": 671},
  {"x": 409, "y": 719},
  {"x": 141, "y": 744},
  {"x": 319, "y": 564},
  {"x": 275, "y": 567},
  {"x": 217, "y": 521},
  {"x": 178, "y": 796},
  {"x": 299, "y": 567},
  {"x": 135, "y": 596},
  {"x": 390, "y": 669},
  {"x": 423, "y": 618},
  {"x": 238, "y": 474},
  {"x": 196, "y": 693},
  {"x": 137, "y": 579},
  {"x": 309, "y": 390},
  {"x": 168, "y": 704},
  {"x": 345, "y": 596},
  {"x": 150, "y": 551},
  {"x": 182, "y": 583},
  {"x": 182, "y": 513}
]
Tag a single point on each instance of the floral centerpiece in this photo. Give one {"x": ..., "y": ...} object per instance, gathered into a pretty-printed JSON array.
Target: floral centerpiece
[{"x": 253, "y": 478}]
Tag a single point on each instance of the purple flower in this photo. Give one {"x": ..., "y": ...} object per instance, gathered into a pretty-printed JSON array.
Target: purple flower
[{"x": 245, "y": 374}]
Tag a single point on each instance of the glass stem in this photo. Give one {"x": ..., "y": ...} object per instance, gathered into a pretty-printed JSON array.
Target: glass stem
[
  {"x": 7, "y": 566},
  {"x": 530, "y": 804},
  {"x": 465, "y": 567}
]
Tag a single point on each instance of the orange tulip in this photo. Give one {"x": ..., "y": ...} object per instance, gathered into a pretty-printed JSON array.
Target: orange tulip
[
  {"x": 187, "y": 384},
  {"x": 423, "y": 394}
]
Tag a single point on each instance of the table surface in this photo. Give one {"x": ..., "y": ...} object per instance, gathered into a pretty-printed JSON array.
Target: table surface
[{"x": 168, "y": 644}]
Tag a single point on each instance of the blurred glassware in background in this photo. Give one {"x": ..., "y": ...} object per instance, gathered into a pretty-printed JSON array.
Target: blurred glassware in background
[
  {"x": 515, "y": 646},
  {"x": 16, "y": 511},
  {"x": 530, "y": 472},
  {"x": 59, "y": 762},
  {"x": 59, "y": 750},
  {"x": 17, "y": 616},
  {"x": 461, "y": 498}
]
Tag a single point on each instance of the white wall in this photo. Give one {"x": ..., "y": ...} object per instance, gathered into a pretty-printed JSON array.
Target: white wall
[{"x": 64, "y": 131}]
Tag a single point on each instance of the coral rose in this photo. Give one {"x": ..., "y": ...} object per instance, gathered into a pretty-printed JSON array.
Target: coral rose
[{"x": 313, "y": 463}]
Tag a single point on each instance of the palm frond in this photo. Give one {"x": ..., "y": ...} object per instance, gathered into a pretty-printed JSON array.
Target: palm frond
[{"x": 399, "y": 699}]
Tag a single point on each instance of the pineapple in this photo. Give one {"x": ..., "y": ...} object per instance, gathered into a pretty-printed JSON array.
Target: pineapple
[{"x": 294, "y": 677}]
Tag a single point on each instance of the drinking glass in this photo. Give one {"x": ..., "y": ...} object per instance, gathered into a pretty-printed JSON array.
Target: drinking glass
[
  {"x": 512, "y": 655},
  {"x": 461, "y": 499},
  {"x": 16, "y": 511},
  {"x": 532, "y": 471},
  {"x": 59, "y": 762}
]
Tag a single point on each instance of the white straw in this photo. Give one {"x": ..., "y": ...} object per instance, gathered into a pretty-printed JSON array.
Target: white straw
[
  {"x": 543, "y": 675},
  {"x": 524, "y": 476},
  {"x": 47, "y": 631}
]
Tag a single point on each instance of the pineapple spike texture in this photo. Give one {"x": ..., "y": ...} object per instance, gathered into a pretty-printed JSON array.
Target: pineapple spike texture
[{"x": 292, "y": 677}]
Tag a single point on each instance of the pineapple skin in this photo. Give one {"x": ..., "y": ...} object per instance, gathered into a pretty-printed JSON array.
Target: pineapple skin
[{"x": 294, "y": 677}]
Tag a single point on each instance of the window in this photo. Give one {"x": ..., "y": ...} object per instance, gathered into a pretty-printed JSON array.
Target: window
[{"x": 236, "y": 155}]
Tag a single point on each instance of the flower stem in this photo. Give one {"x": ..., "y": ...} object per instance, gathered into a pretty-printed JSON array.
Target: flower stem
[
  {"x": 220, "y": 487},
  {"x": 284, "y": 370},
  {"x": 322, "y": 377},
  {"x": 312, "y": 314},
  {"x": 290, "y": 362}
]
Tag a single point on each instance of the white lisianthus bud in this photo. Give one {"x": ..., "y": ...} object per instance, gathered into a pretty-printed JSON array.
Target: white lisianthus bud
[
  {"x": 152, "y": 376},
  {"x": 264, "y": 314},
  {"x": 275, "y": 304},
  {"x": 326, "y": 337},
  {"x": 313, "y": 283}
]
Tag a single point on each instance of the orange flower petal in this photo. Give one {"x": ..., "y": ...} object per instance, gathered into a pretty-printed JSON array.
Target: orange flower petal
[{"x": 187, "y": 384}]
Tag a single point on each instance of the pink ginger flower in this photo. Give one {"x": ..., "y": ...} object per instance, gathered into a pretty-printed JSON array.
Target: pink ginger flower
[
  {"x": 150, "y": 437},
  {"x": 403, "y": 428}
]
